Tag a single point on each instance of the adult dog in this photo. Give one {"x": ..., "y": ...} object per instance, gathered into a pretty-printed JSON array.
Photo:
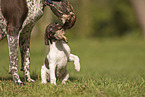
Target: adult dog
[
  {"x": 58, "y": 55},
  {"x": 17, "y": 18}
]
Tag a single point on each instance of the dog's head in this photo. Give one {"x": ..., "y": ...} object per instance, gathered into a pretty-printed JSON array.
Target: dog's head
[{"x": 54, "y": 32}]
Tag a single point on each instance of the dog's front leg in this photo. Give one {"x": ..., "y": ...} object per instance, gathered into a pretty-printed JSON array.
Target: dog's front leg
[
  {"x": 75, "y": 58},
  {"x": 44, "y": 72},
  {"x": 66, "y": 76},
  {"x": 13, "y": 43},
  {"x": 52, "y": 74},
  {"x": 25, "y": 52}
]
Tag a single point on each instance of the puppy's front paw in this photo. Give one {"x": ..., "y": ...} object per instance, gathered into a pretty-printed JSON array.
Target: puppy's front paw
[
  {"x": 77, "y": 66},
  {"x": 43, "y": 82}
]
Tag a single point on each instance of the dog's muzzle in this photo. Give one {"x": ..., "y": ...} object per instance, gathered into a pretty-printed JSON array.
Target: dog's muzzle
[{"x": 59, "y": 35}]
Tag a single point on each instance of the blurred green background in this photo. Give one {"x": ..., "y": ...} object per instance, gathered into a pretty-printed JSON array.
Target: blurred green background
[
  {"x": 97, "y": 19},
  {"x": 107, "y": 37}
]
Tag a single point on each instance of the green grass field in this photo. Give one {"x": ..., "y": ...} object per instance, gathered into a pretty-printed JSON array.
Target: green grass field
[{"x": 109, "y": 68}]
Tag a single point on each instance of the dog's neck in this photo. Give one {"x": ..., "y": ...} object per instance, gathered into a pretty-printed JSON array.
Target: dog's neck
[{"x": 59, "y": 45}]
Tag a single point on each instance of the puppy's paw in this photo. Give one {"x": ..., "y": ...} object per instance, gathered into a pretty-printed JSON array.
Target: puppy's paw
[
  {"x": 63, "y": 82},
  {"x": 43, "y": 82},
  {"x": 77, "y": 66},
  {"x": 53, "y": 82}
]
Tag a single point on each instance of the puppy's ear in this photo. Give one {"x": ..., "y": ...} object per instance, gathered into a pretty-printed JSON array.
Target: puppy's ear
[
  {"x": 47, "y": 40},
  {"x": 47, "y": 36}
]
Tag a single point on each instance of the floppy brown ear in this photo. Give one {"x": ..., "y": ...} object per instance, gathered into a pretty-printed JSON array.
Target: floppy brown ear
[
  {"x": 47, "y": 37},
  {"x": 47, "y": 41},
  {"x": 49, "y": 33}
]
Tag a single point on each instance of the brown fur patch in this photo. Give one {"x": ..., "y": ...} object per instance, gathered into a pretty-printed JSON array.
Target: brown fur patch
[
  {"x": 15, "y": 12},
  {"x": 46, "y": 63}
]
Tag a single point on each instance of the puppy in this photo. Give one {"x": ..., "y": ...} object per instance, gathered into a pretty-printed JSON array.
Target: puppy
[{"x": 58, "y": 56}]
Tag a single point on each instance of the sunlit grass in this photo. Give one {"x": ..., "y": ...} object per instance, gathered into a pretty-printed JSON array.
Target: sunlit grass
[{"x": 109, "y": 67}]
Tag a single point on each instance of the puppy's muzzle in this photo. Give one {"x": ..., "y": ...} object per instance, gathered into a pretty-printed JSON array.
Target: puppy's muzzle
[{"x": 59, "y": 35}]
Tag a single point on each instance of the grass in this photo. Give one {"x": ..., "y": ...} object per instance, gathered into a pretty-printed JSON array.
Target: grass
[{"x": 109, "y": 68}]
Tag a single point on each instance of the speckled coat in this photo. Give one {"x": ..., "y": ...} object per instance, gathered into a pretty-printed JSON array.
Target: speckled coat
[
  {"x": 64, "y": 11},
  {"x": 19, "y": 36}
]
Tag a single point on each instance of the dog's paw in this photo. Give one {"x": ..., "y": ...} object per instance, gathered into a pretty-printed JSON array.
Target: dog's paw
[
  {"x": 43, "y": 82},
  {"x": 53, "y": 82},
  {"x": 63, "y": 82},
  {"x": 77, "y": 66},
  {"x": 19, "y": 82},
  {"x": 30, "y": 80}
]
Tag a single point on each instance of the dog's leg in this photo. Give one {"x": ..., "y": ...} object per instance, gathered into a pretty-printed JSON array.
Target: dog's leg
[
  {"x": 76, "y": 61},
  {"x": 66, "y": 76},
  {"x": 14, "y": 15},
  {"x": 13, "y": 31},
  {"x": 44, "y": 74},
  {"x": 13, "y": 42},
  {"x": 25, "y": 51},
  {"x": 52, "y": 74}
]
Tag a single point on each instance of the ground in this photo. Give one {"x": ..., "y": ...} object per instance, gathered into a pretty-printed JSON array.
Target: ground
[{"x": 109, "y": 68}]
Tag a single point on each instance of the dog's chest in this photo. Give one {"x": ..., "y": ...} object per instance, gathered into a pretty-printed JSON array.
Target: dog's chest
[{"x": 59, "y": 53}]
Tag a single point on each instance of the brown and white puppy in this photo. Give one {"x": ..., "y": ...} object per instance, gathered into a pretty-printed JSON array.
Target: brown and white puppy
[{"x": 58, "y": 56}]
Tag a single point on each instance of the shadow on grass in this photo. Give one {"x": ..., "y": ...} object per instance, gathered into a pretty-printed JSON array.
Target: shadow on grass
[
  {"x": 72, "y": 79},
  {"x": 35, "y": 77}
]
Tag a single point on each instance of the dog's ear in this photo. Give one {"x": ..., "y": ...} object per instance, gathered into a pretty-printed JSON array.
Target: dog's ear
[
  {"x": 48, "y": 35},
  {"x": 50, "y": 32},
  {"x": 47, "y": 40}
]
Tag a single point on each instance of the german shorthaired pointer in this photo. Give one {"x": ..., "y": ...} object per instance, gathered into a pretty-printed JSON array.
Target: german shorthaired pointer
[
  {"x": 58, "y": 55},
  {"x": 17, "y": 18}
]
